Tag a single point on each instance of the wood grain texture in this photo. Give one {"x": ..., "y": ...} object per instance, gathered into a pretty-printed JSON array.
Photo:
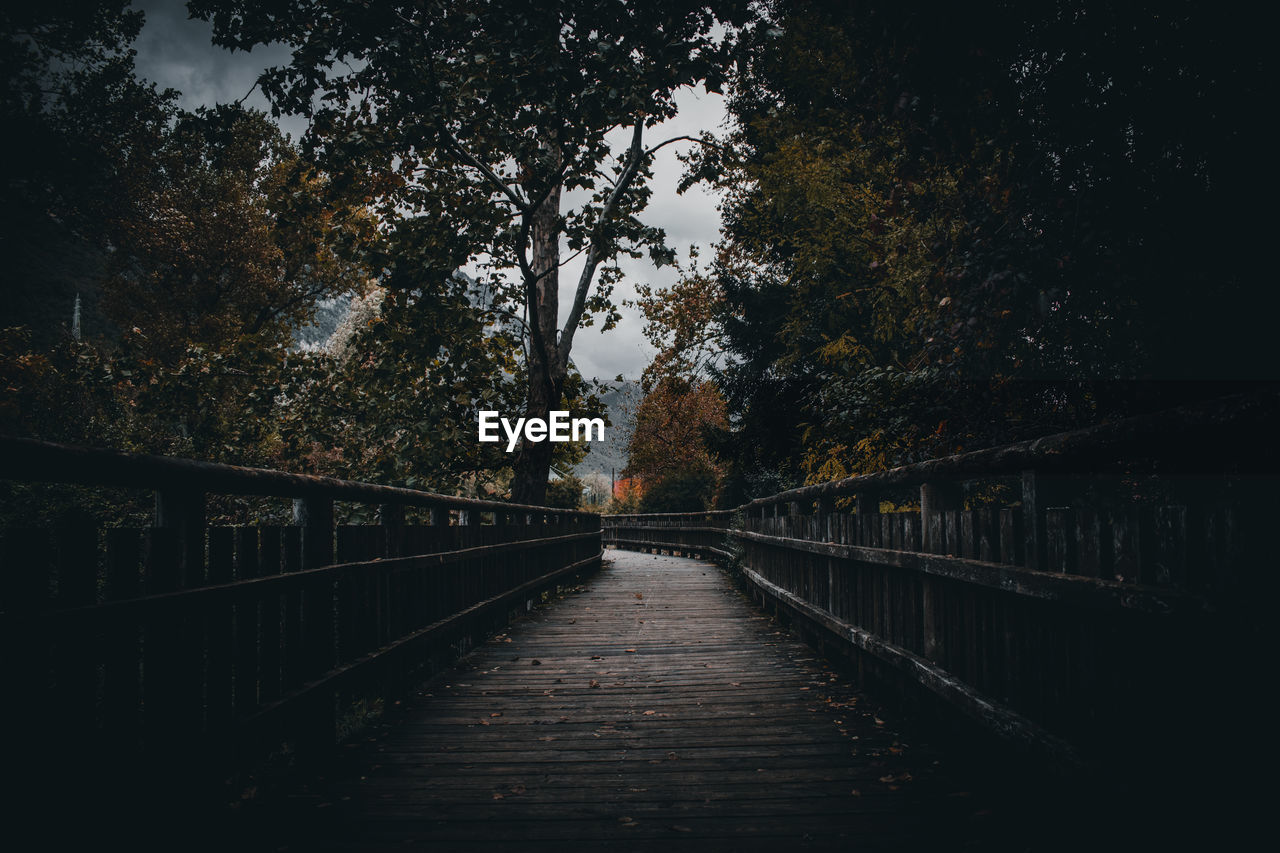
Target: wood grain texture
[{"x": 652, "y": 708}]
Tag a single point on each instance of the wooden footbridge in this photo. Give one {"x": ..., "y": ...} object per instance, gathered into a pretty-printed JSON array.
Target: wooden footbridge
[{"x": 1029, "y": 647}]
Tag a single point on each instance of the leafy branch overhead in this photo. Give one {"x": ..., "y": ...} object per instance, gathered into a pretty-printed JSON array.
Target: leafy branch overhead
[{"x": 481, "y": 119}]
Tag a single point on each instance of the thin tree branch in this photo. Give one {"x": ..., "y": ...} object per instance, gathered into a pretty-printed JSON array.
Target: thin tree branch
[
  {"x": 470, "y": 159},
  {"x": 703, "y": 142},
  {"x": 635, "y": 156}
]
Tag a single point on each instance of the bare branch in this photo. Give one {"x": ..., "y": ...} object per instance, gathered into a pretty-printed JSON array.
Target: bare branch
[
  {"x": 635, "y": 156},
  {"x": 703, "y": 142}
]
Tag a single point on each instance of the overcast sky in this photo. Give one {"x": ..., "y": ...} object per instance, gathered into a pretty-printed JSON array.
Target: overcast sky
[{"x": 176, "y": 52}]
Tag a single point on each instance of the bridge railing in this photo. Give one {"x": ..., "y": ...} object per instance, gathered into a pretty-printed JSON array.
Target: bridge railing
[
  {"x": 193, "y": 645},
  {"x": 1062, "y": 592},
  {"x": 696, "y": 534}
]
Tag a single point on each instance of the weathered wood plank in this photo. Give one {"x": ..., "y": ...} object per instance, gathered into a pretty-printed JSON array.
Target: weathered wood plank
[{"x": 654, "y": 694}]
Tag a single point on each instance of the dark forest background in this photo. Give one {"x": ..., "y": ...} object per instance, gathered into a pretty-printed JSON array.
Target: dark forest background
[{"x": 943, "y": 230}]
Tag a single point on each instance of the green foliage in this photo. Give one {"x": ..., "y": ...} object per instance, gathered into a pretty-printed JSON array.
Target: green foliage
[
  {"x": 396, "y": 398},
  {"x": 472, "y": 118},
  {"x": 565, "y": 493},
  {"x": 946, "y": 229},
  {"x": 689, "y": 489}
]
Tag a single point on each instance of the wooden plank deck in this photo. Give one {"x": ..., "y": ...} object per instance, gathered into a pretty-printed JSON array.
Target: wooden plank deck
[{"x": 653, "y": 708}]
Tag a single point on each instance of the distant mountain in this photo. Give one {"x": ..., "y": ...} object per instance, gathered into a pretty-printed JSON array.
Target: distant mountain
[
  {"x": 330, "y": 312},
  {"x": 611, "y": 453}
]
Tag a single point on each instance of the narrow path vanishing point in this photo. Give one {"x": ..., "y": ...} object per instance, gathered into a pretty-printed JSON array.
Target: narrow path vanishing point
[{"x": 654, "y": 708}]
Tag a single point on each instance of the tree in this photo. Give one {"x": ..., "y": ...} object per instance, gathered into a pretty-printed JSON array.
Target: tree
[
  {"x": 953, "y": 228},
  {"x": 66, "y": 87},
  {"x": 672, "y": 422},
  {"x": 221, "y": 231},
  {"x": 565, "y": 493},
  {"x": 393, "y": 397},
  {"x": 686, "y": 490},
  {"x": 198, "y": 241},
  {"x": 481, "y": 118},
  {"x": 683, "y": 323}
]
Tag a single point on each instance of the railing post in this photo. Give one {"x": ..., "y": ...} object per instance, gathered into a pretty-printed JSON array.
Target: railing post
[
  {"x": 184, "y": 511},
  {"x": 935, "y": 499},
  {"x": 1039, "y": 492},
  {"x": 825, "y": 507},
  {"x": 391, "y": 517},
  {"x": 315, "y": 517},
  {"x": 867, "y": 504}
]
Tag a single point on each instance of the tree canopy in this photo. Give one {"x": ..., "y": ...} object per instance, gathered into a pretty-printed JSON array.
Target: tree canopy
[
  {"x": 949, "y": 228},
  {"x": 479, "y": 119}
]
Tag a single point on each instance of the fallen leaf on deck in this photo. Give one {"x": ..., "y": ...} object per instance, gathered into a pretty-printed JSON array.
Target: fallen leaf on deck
[
  {"x": 632, "y": 651},
  {"x": 649, "y": 713},
  {"x": 639, "y": 595},
  {"x": 535, "y": 662},
  {"x": 594, "y": 683},
  {"x": 495, "y": 714}
]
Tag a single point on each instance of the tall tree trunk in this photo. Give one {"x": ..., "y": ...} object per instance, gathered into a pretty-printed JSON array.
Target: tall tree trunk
[{"x": 546, "y": 370}]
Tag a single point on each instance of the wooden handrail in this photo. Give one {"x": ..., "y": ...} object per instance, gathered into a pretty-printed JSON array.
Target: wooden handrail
[
  {"x": 32, "y": 460},
  {"x": 1064, "y": 621}
]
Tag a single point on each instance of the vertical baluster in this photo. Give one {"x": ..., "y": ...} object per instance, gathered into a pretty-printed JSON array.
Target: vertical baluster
[
  {"x": 246, "y": 624},
  {"x": 220, "y": 624},
  {"x": 121, "y": 695},
  {"x": 270, "y": 560}
]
